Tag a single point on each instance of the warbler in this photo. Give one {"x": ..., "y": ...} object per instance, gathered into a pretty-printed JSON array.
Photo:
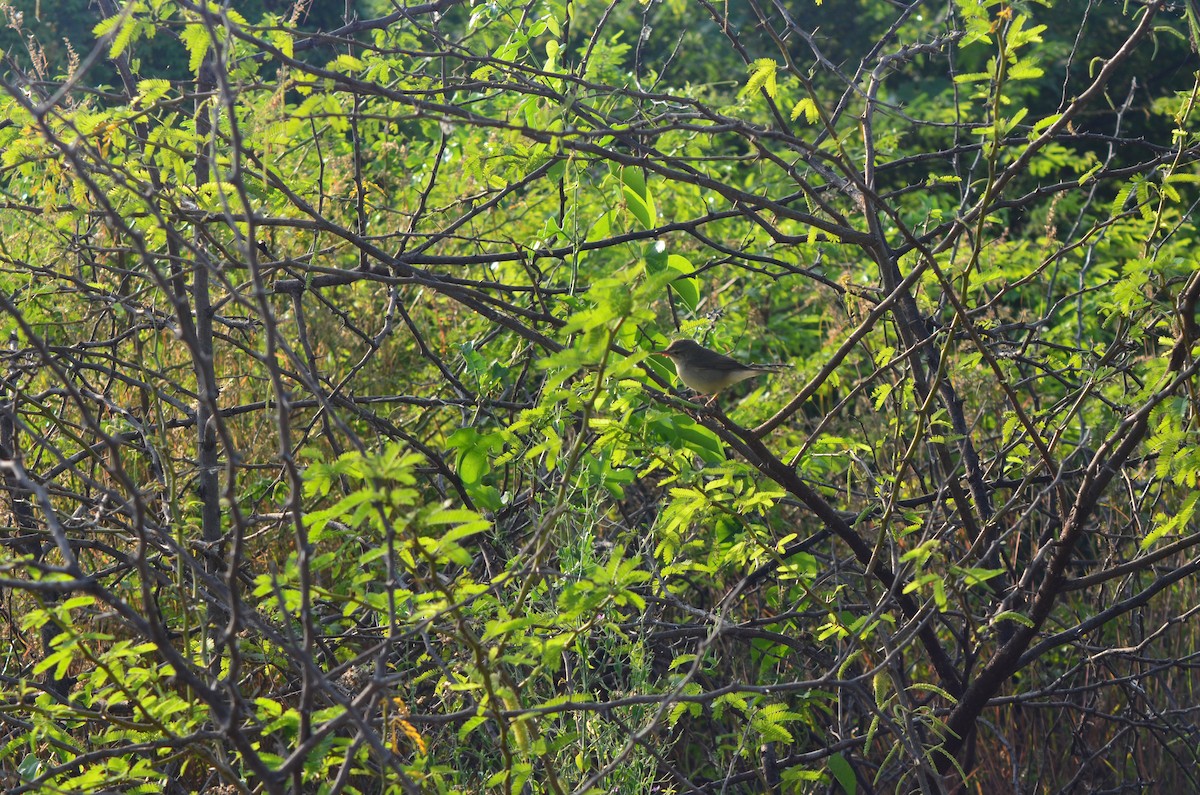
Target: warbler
[{"x": 708, "y": 372}]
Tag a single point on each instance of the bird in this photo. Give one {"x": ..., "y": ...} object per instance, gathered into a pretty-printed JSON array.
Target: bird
[{"x": 708, "y": 372}]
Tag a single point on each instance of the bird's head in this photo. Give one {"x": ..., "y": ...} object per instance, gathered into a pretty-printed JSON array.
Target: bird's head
[{"x": 681, "y": 348}]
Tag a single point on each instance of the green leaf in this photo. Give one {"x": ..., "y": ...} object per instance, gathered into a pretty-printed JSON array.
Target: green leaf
[
  {"x": 470, "y": 725},
  {"x": 762, "y": 76},
  {"x": 769, "y": 723},
  {"x": 150, "y": 91},
  {"x": 77, "y": 601},
  {"x": 688, "y": 290},
  {"x": 472, "y": 465},
  {"x": 1165, "y": 524},
  {"x": 196, "y": 40},
  {"x": 972, "y": 77},
  {"x": 30, "y": 767},
  {"x": 496, "y": 629},
  {"x": 682, "y": 431},
  {"x": 976, "y": 576},
  {"x": 807, "y": 108},
  {"x": 122, "y": 38},
  {"x": 843, "y": 773},
  {"x": 345, "y": 63},
  {"x": 106, "y": 26},
  {"x": 637, "y": 196},
  {"x": 282, "y": 41}
]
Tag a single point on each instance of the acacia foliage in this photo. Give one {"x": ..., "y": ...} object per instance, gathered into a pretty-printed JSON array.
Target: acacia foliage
[{"x": 336, "y": 456}]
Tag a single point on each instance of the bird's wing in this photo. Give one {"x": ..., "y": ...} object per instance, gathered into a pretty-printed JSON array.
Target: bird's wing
[{"x": 722, "y": 362}]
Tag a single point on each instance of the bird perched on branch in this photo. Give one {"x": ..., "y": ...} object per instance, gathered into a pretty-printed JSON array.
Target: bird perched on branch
[{"x": 708, "y": 372}]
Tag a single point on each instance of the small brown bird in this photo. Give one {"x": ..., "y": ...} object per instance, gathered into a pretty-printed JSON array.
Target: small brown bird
[{"x": 708, "y": 372}]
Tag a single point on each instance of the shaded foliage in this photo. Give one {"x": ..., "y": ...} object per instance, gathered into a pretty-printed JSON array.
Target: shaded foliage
[{"x": 336, "y": 455}]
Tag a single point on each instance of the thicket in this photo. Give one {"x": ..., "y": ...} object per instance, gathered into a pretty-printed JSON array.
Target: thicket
[{"x": 335, "y": 455}]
